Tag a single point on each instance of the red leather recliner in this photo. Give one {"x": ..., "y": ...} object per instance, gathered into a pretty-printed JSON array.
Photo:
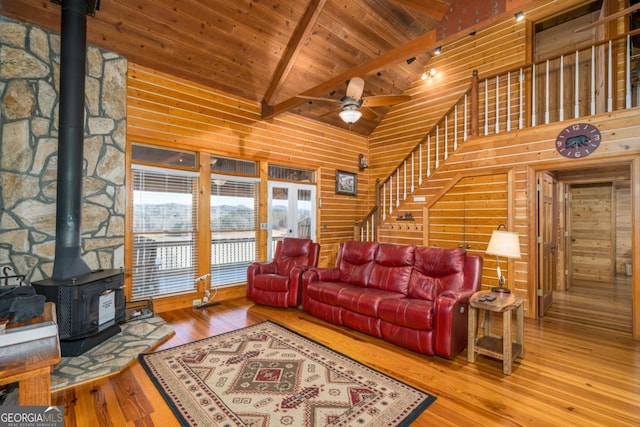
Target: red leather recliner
[{"x": 278, "y": 283}]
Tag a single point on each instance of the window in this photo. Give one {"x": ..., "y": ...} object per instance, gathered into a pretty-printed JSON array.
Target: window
[
  {"x": 165, "y": 231},
  {"x": 234, "y": 227},
  {"x": 292, "y": 174}
]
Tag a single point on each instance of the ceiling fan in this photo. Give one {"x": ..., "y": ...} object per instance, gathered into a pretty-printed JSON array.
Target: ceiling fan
[{"x": 354, "y": 105}]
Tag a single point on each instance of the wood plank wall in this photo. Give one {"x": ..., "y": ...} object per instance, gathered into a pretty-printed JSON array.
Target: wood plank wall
[
  {"x": 466, "y": 215},
  {"x": 166, "y": 111}
]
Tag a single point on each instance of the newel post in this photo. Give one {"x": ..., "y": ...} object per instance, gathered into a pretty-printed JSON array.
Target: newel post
[{"x": 475, "y": 115}]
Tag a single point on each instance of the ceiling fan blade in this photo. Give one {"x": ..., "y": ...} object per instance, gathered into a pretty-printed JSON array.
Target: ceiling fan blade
[
  {"x": 355, "y": 88},
  {"x": 368, "y": 113},
  {"x": 381, "y": 100},
  {"x": 317, "y": 98}
]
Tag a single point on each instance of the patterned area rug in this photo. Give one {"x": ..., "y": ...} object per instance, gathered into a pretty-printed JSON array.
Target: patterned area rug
[
  {"x": 267, "y": 375},
  {"x": 113, "y": 355}
]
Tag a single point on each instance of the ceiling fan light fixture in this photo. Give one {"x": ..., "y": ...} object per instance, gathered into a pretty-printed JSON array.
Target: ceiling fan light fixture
[
  {"x": 350, "y": 116},
  {"x": 432, "y": 73}
]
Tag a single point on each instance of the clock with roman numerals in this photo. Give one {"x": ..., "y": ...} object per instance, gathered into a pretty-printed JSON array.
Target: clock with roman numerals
[{"x": 578, "y": 140}]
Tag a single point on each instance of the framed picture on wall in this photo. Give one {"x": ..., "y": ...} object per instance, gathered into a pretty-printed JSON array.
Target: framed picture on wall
[{"x": 346, "y": 183}]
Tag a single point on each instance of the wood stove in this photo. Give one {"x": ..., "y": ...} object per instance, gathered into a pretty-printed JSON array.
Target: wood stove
[{"x": 90, "y": 308}]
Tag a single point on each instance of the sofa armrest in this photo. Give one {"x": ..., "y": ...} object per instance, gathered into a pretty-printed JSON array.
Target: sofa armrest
[
  {"x": 258, "y": 267},
  {"x": 294, "y": 298},
  {"x": 450, "y": 316},
  {"x": 451, "y": 311},
  {"x": 263, "y": 267},
  {"x": 315, "y": 274}
]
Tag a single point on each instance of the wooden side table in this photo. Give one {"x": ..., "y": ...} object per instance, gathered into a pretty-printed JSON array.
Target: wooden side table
[
  {"x": 499, "y": 347},
  {"x": 30, "y": 364}
]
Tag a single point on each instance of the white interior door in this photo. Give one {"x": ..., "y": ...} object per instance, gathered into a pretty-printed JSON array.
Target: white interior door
[{"x": 292, "y": 212}]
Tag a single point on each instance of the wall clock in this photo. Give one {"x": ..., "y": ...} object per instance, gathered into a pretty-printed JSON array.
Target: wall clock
[{"x": 578, "y": 140}]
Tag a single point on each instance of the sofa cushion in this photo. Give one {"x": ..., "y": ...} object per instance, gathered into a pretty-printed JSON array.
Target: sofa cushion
[
  {"x": 271, "y": 282},
  {"x": 407, "y": 312},
  {"x": 355, "y": 262},
  {"x": 326, "y": 292},
  {"x": 293, "y": 252},
  {"x": 392, "y": 268},
  {"x": 436, "y": 270},
  {"x": 365, "y": 300}
]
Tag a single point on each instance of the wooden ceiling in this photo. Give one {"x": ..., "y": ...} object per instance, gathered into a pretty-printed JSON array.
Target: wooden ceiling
[{"x": 272, "y": 50}]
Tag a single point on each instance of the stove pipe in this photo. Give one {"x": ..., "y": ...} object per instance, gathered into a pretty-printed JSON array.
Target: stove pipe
[{"x": 73, "y": 45}]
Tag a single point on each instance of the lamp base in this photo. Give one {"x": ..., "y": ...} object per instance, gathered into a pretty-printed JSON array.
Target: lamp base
[{"x": 500, "y": 290}]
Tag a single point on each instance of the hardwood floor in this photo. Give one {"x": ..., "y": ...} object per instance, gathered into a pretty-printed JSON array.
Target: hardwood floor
[{"x": 581, "y": 368}]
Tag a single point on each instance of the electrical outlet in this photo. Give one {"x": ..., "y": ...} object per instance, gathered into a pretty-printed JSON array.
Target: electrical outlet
[{"x": 196, "y": 302}]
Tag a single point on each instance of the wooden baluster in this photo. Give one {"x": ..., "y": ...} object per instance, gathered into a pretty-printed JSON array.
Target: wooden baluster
[
  {"x": 428, "y": 155},
  {"x": 534, "y": 97},
  {"x": 420, "y": 165},
  {"x": 508, "y": 118},
  {"x": 497, "y": 125},
  {"x": 610, "y": 79},
  {"x": 475, "y": 113},
  {"x": 521, "y": 98},
  {"x": 627, "y": 83},
  {"x": 446, "y": 137},
  {"x": 593, "y": 80},
  {"x": 486, "y": 107},
  {"x": 561, "y": 91},
  {"x": 455, "y": 127},
  {"x": 464, "y": 134},
  {"x": 437, "y": 146},
  {"x": 413, "y": 171},
  {"x": 576, "y": 110},
  {"x": 546, "y": 93}
]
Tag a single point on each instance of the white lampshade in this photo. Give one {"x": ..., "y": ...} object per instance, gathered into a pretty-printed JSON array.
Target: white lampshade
[
  {"x": 505, "y": 244},
  {"x": 350, "y": 116}
]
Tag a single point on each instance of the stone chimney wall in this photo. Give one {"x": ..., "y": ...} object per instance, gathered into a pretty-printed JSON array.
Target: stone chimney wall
[{"x": 29, "y": 93}]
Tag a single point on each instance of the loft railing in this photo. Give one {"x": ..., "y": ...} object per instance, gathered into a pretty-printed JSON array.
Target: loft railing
[{"x": 597, "y": 79}]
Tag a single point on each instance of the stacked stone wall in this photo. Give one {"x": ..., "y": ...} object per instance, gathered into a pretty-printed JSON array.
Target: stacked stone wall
[{"x": 29, "y": 94}]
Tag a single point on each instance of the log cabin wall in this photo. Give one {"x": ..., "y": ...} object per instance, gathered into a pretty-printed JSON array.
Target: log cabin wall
[{"x": 167, "y": 111}]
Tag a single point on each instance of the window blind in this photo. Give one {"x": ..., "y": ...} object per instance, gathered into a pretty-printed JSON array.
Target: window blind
[
  {"x": 234, "y": 227},
  {"x": 165, "y": 250}
]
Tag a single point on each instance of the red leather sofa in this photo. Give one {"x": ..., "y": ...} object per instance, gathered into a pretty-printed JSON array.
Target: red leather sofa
[
  {"x": 277, "y": 283},
  {"x": 412, "y": 296}
]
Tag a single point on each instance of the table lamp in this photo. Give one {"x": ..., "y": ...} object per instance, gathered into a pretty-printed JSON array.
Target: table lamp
[{"x": 506, "y": 244}]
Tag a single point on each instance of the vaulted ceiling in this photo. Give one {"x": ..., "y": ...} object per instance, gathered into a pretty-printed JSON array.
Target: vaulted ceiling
[{"x": 272, "y": 51}]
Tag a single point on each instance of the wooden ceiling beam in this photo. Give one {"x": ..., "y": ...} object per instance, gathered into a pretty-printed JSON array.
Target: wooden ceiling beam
[
  {"x": 435, "y": 8},
  {"x": 401, "y": 53},
  {"x": 424, "y": 43},
  {"x": 295, "y": 45}
]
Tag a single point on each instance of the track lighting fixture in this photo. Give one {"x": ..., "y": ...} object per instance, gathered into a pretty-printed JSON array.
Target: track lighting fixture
[
  {"x": 519, "y": 16},
  {"x": 410, "y": 60},
  {"x": 438, "y": 50}
]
